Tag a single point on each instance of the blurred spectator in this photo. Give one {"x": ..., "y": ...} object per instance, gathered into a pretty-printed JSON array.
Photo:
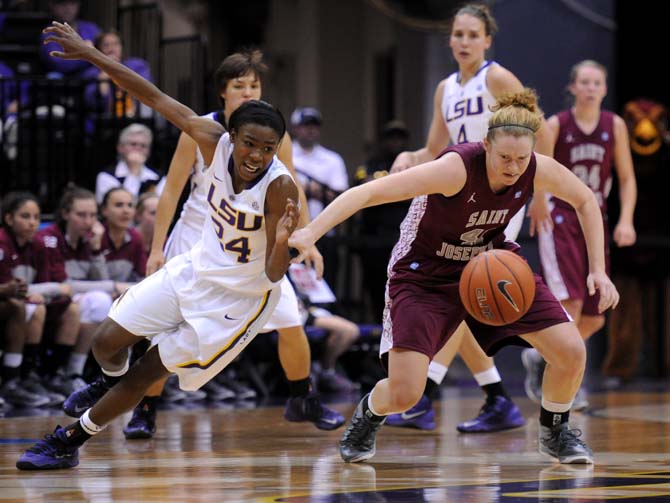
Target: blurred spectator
[
  {"x": 103, "y": 96},
  {"x": 322, "y": 174},
  {"x": 67, "y": 11},
  {"x": 131, "y": 171},
  {"x": 145, "y": 218},
  {"x": 74, "y": 249},
  {"x": 380, "y": 225},
  {"x": 24, "y": 262},
  {"x": 122, "y": 245}
]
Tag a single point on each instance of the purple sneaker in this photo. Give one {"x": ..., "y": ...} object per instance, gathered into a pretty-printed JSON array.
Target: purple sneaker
[
  {"x": 421, "y": 416},
  {"x": 499, "y": 414},
  {"x": 310, "y": 408},
  {"x": 143, "y": 423},
  {"x": 51, "y": 453},
  {"x": 85, "y": 398}
]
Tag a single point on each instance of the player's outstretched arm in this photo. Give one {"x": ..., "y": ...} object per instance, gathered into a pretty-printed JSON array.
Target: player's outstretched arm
[{"x": 204, "y": 131}]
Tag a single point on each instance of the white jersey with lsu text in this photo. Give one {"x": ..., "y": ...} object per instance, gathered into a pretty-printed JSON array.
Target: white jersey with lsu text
[
  {"x": 188, "y": 231},
  {"x": 231, "y": 251},
  {"x": 466, "y": 107}
]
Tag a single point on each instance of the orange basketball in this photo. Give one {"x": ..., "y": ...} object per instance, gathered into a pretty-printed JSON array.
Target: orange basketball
[{"x": 497, "y": 287}]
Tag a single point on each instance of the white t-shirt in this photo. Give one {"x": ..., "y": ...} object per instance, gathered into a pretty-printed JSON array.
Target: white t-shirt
[
  {"x": 132, "y": 183},
  {"x": 324, "y": 166}
]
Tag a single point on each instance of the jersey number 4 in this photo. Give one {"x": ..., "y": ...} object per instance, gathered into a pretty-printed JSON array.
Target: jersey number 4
[{"x": 237, "y": 245}]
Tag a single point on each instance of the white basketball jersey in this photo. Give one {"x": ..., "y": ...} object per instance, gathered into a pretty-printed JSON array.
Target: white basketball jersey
[
  {"x": 466, "y": 108},
  {"x": 194, "y": 211},
  {"x": 232, "y": 250}
]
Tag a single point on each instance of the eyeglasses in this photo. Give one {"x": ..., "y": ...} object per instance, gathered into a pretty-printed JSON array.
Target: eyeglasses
[{"x": 137, "y": 144}]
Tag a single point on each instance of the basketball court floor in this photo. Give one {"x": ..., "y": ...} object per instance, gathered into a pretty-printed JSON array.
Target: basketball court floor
[{"x": 238, "y": 455}]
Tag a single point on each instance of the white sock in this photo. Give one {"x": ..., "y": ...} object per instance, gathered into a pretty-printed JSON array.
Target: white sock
[
  {"x": 436, "y": 372},
  {"x": 12, "y": 360},
  {"x": 489, "y": 376},
  {"x": 556, "y": 407},
  {"x": 89, "y": 426}
]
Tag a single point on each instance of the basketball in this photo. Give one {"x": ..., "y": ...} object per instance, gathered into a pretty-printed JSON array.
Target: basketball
[{"x": 497, "y": 287}]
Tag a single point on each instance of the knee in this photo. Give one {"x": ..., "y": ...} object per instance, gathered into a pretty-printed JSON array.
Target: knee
[
  {"x": 404, "y": 396},
  {"x": 103, "y": 343},
  {"x": 572, "y": 357},
  {"x": 95, "y": 306},
  {"x": 40, "y": 314}
]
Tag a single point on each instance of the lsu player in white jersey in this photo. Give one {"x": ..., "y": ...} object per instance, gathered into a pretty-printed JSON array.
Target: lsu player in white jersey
[
  {"x": 206, "y": 305},
  {"x": 238, "y": 80},
  {"x": 461, "y": 109}
]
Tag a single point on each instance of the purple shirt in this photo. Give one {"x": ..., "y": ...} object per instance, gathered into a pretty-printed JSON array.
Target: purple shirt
[
  {"x": 88, "y": 31},
  {"x": 441, "y": 234}
]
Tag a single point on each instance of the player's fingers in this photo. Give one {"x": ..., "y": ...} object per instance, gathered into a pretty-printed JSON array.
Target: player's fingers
[{"x": 591, "y": 285}]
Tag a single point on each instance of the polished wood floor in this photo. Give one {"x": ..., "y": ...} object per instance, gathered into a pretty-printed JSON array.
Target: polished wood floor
[{"x": 220, "y": 455}]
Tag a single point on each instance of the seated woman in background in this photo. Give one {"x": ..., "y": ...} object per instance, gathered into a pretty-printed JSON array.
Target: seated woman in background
[
  {"x": 23, "y": 264},
  {"x": 74, "y": 249},
  {"x": 121, "y": 244}
]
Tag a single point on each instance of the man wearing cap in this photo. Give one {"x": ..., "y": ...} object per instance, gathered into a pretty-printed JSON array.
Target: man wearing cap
[{"x": 321, "y": 172}]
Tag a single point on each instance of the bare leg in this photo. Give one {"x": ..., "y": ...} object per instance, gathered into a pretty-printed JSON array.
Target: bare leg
[
  {"x": 565, "y": 353},
  {"x": 342, "y": 335},
  {"x": 403, "y": 388},
  {"x": 294, "y": 353}
]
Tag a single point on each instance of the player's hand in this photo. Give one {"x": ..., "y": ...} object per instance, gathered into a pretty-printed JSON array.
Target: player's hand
[
  {"x": 95, "y": 238},
  {"x": 402, "y": 162},
  {"x": 539, "y": 214},
  {"x": 314, "y": 259},
  {"x": 288, "y": 222},
  {"x": 74, "y": 47},
  {"x": 155, "y": 261},
  {"x": 609, "y": 296},
  {"x": 301, "y": 240},
  {"x": 35, "y": 298},
  {"x": 624, "y": 234}
]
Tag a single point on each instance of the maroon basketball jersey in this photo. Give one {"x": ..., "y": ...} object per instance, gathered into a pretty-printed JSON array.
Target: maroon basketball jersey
[
  {"x": 589, "y": 156},
  {"x": 440, "y": 234},
  {"x": 128, "y": 262}
]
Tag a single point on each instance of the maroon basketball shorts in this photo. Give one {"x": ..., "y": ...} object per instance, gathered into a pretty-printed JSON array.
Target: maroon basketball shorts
[
  {"x": 422, "y": 318},
  {"x": 565, "y": 262}
]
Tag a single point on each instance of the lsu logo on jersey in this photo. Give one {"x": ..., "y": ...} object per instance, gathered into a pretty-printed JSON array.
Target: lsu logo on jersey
[
  {"x": 222, "y": 214},
  {"x": 462, "y": 109},
  {"x": 232, "y": 216},
  {"x": 465, "y": 107}
]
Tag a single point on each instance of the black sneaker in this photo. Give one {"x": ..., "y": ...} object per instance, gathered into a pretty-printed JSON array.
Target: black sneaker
[
  {"x": 51, "y": 453},
  {"x": 563, "y": 444},
  {"x": 309, "y": 408},
  {"x": 15, "y": 393},
  {"x": 358, "y": 441},
  {"x": 143, "y": 423},
  {"x": 85, "y": 398}
]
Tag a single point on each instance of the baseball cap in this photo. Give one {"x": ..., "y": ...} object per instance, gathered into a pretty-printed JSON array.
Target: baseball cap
[{"x": 306, "y": 115}]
